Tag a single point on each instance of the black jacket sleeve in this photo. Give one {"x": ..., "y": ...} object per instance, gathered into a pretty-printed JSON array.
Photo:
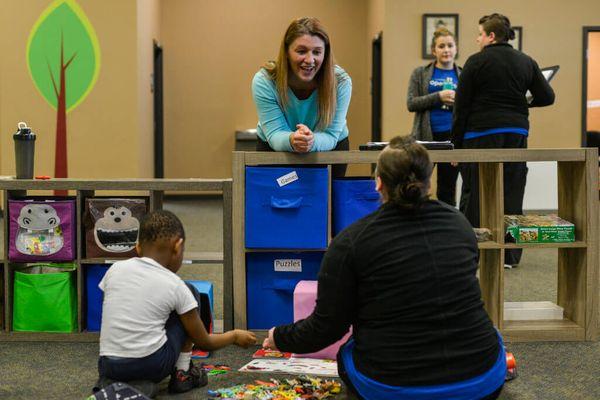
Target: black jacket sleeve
[
  {"x": 462, "y": 101},
  {"x": 336, "y": 304},
  {"x": 542, "y": 92}
]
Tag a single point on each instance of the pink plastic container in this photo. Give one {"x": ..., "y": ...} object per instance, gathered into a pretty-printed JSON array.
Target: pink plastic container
[{"x": 305, "y": 300}]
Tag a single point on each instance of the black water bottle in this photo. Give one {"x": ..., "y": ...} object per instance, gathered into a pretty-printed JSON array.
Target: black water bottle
[{"x": 24, "y": 151}]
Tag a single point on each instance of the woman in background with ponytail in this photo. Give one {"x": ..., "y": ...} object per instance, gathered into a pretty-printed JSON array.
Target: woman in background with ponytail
[
  {"x": 404, "y": 278},
  {"x": 491, "y": 112}
]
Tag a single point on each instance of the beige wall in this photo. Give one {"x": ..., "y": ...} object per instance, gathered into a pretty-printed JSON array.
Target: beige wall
[
  {"x": 211, "y": 52},
  {"x": 103, "y": 132},
  {"x": 551, "y": 35},
  {"x": 593, "y": 87}
]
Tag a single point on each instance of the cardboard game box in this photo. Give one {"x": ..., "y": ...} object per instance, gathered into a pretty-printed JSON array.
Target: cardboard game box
[{"x": 538, "y": 229}]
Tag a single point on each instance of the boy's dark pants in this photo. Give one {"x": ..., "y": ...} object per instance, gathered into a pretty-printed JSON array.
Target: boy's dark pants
[
  {"x": 515, "y": 178},
  {"x": 157, "y": 365}
]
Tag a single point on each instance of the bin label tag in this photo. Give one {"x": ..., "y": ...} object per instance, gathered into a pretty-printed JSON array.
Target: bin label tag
[
  {"x": 288, "y": 265},
  {"x": 287, "y": 178}
]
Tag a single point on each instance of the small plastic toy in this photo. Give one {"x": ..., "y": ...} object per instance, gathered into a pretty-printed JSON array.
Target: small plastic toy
[{"x": 511, "y": 367}]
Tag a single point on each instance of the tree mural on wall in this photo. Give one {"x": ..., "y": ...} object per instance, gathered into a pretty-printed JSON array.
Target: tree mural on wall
[{"x": 63, "y": 58}]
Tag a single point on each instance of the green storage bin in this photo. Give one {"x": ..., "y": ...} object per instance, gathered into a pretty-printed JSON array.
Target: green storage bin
[{"x": 45, "y": 298}]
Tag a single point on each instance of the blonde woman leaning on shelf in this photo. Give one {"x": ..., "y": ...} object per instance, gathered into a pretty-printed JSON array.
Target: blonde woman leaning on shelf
[
  {"x": 302, "y": 98},
  {"x": 431, "y": 98}
]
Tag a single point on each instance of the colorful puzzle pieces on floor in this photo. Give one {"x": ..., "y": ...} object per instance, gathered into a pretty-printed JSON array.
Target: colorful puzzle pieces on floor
[
  {"x": 215, "y": 369},
  {"x": 299, "y": 388}
]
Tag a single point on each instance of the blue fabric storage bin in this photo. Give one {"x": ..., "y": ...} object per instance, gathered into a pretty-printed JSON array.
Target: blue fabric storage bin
[
  {"x": 205, "y": 289},
  {"x": 352, "y": 198},
  {"x": 291, "y": 216},
  {"x": 95, "y": 296},
  {"x": 270, "y": 292}
]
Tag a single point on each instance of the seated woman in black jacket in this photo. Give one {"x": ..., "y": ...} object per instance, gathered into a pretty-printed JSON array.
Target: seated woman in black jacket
[{"x": 404, "y": 278}]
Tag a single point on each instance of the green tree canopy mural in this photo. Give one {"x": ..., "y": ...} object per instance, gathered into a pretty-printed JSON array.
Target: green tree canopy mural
[{"x": 63, "y": 58}]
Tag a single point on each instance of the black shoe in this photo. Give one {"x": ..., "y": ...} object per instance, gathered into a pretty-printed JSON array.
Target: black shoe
[{"x": 184, "y": 381}]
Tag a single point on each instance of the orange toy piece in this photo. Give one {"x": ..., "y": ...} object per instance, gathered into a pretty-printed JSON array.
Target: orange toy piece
[
  {"x": 511, "y": 363},
  {"x": 511, "y": 367}
]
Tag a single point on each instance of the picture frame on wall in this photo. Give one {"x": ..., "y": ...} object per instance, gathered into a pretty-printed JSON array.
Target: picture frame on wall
[
  {"x": 431, "y": 22},
  {"x": 517, "y": 42}
]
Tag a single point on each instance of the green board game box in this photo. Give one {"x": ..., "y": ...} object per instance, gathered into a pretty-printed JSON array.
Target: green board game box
[{"x": 538, "y": 229}]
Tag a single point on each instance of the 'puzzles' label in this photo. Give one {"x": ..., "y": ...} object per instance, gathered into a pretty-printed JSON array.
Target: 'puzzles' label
[
  {"x": 287, "y": 178},
  {"x": 287, "y": 265}
]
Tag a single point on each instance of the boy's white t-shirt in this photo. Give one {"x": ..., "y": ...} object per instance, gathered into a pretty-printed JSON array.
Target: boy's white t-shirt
[{"x": 139, "y": 296}]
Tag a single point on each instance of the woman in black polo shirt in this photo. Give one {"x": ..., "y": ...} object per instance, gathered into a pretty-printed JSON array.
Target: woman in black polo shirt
[
  {"x": 491, "y": 111},
  {"x": 404, "y": 278}
]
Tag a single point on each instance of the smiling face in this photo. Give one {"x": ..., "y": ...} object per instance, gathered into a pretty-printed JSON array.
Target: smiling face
[
  {"x": 484, "y": 39},
  {"x": 444, "y": 51},
  {"x": 117, "y": 231},
  {"x": 305, "y": 56}
]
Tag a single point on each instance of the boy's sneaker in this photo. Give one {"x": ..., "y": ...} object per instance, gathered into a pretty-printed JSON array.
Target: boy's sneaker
[{"x": 184, "y": 381}]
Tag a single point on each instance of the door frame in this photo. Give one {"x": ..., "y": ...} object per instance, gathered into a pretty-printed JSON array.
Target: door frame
[
  {"x": 157, "y": 85},
  {"x": 376, "y": 87},
  {"x": 586, "y": 31}
]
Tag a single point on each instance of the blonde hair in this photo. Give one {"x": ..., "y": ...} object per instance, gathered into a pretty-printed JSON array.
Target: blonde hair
[
  {"x": 327, "y": 86},
  {"x": 441, "y": 32}
]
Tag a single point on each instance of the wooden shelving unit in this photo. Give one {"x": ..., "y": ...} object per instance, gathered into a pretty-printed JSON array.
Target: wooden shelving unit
[
  {"x": 154, "y": 189},
  {"x": 578, "y": 277}
]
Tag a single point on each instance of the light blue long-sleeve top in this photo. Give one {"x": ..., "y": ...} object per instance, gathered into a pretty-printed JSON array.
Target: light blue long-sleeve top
[{"x": 275, "y": 124}]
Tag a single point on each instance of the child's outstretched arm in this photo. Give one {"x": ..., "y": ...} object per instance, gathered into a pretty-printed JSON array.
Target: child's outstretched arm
[{"x": 197, "y": 333}]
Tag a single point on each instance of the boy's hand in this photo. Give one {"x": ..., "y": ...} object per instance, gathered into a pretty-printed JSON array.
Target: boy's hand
[{"x": 244, "y": 338}]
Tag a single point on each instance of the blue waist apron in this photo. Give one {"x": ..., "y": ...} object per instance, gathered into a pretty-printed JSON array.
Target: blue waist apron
[
  {"x": 474, "y": 388},
  {"x": 473, "y": 135}
]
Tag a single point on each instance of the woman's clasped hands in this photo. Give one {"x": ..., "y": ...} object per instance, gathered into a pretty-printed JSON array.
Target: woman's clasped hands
[{"x": 302, "y": 139}]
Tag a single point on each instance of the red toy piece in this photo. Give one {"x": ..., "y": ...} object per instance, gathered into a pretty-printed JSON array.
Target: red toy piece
[{"x": 511, "y": 367}]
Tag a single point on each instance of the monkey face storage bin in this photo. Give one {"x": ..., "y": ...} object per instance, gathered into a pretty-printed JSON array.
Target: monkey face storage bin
[
  {"x": 352, "y": 199},
  {"x": 270, "y": 282},
  {"x": 45, "y": 299},
  {"x": 286, "y": 207},
  {"x": 41, "y": 230},
  {"x": 112, "y": 226}
]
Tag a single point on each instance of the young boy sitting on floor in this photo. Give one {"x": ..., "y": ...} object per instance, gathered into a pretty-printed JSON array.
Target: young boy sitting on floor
[{"x": 151, "y": 318}]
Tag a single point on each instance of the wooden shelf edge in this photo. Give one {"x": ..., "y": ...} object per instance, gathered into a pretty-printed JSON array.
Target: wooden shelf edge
[
  {"x": 543, "y": 331},
  {"x": 578, "y": 244},
  {"x": 489, "y": 244},
  {"x": 199, "y": 257},
  {"x": 49, "y": 337}
]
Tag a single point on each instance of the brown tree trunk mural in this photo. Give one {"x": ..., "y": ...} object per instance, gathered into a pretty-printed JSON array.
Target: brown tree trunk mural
[{"x": 60, "y": 158}]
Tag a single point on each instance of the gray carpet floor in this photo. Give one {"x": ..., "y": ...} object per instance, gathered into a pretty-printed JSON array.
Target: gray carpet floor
[{"x": 68, "y": 370}]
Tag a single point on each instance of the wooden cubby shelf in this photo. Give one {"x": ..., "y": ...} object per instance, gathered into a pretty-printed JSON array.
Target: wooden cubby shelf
[
  {"x": 578, "y": 277},
  {"x": 80, "y": 189}
]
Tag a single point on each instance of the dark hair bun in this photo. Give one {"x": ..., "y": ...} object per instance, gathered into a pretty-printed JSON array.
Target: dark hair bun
[
  {"x": 412, "y": 192},
  {"x": 511, "y": 34}
]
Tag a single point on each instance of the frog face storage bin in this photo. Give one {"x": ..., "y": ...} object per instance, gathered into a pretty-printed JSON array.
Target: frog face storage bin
[
  {"x": 41, "y": 230},
  {"x": 112, "y": 226}
]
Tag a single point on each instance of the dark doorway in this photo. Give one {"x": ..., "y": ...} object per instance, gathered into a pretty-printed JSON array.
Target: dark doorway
[
  {"x": 376, "y": 84},
  {"x": 159, "y": 161},
  {"x": 590, "y": 115}
]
